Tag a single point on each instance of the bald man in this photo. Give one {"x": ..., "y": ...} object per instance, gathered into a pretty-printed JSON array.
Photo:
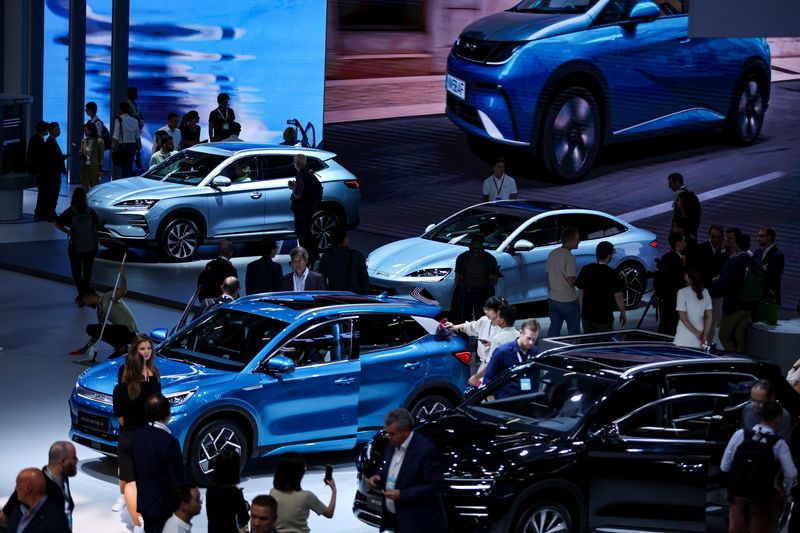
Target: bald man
[
  {"x": 35, "y": 511},
  {"x": 62, "y": 464}
]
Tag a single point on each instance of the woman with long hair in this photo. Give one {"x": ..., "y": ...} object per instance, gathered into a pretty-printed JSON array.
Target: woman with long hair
[
  {"x": 190, "y": 130},
  {"x": 294, "y": 502},
  {"x": 694, "y": 311},
  {"x": 226, "y": 508},
  {"x": 80, "y": 222},
  {"x": 92, "y": 153},
  {"x": 139, "y": 379}
]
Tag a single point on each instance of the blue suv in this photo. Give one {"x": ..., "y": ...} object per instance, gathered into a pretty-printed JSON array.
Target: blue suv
[
  {"x": 566, "y": 77},
  {"x": 281, "y": 372}
]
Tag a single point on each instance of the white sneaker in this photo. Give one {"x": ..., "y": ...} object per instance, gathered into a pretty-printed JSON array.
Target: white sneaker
[
  {"x": 119, "y": 505},
  {"x": 138, "y": 529}
]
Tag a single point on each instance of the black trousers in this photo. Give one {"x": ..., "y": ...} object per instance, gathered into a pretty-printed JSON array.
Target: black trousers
[
  {"x": 469, "y": 303},
  {"x": 117, "y": 336},
  {"x": 81, "y": 264},
  {"x": 302, "y": 228},
  {"x": 127, "y": 153},
  {"x": 154, "y": 524},
  {"x": 47, "y": 197},
  {"x": 668, "y": 317}
]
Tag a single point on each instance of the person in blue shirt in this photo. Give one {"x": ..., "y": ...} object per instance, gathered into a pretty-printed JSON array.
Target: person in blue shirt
[{"x": 512, "y": 354}]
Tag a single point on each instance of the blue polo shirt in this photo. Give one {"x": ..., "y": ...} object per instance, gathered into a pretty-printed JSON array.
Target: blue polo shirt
[{"x": 503, "y": 358}]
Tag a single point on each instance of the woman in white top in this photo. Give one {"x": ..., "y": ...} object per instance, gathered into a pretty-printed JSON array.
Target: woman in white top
[
  {"x": 484, "y": 329},
  {"x": 694, "y": 312},
  {"x": 294, "y": 503}
]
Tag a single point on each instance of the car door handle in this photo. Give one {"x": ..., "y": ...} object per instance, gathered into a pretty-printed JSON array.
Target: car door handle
[
  {"x": 684, "y": 40},
  {"x": 255, "y": 195},
  {"x": 412, "y": 366},
  {"x": 345, "y": 381}
]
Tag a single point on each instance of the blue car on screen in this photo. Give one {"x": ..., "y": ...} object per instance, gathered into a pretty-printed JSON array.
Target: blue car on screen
[
  {"x": 280, "y": 372},
  {"x": 564, "y": 77}
]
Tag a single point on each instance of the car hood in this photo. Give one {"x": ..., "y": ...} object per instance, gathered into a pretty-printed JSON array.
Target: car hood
[
  {"x": 175, "y": 376},
  {"x": 511, "y": 26},
  {"x": 403, "y": 257},
  {"x": 133, "y": 188}
]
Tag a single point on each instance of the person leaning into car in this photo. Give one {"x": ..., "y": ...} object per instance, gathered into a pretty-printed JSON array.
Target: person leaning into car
[
  {"x": 411, "y": 479},
  {"x": 512, "y": 354}
]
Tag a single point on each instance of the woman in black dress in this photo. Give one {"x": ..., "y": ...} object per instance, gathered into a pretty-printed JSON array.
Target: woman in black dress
[
  {"x": 80, "y": 222},
  {"x": 190, "y": 130},
  {"x": 226, "y": 508},
  {"x": 138, "y": 380}
]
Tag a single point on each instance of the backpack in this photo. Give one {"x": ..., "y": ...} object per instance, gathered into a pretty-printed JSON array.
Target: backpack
[
  {"x": 83, "y": 231},
  {"x": 752, "y": 289},
  {"x": 106, "y": 136},
  {"x": 477, "y": 270},
  {"x": 754, "y": 468}
]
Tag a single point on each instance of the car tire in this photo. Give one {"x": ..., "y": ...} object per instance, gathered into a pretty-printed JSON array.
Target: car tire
[
  {"x": 324, "y": 225},
  {"x": 746, "y": 118},
  {"x": 428, "y": 405},
  {"x": 208, "y": 443},
  {"x": 543, "y": 516},
  {"x": 634, "y": 277},
  {"x": 571, "y": 134},
  {"x": 180, "y": 240}
]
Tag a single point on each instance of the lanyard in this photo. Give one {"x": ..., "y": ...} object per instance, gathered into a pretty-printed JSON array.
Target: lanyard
[
  {"x": 225, "y": 118},
  {"x": 500, "y": 187},
  {"x": 519, "y": 357}
]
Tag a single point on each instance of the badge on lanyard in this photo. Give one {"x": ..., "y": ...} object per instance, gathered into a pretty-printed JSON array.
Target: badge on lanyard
[{"x": 525, "y": 383}]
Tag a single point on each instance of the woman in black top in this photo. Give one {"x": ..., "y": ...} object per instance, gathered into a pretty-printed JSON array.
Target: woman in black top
[
  {"x": 139, "y": 379},
  {"x": 226, "y": 508},
  {"x": 190, "y": 130},
  {"x": 80, "y": 222}
]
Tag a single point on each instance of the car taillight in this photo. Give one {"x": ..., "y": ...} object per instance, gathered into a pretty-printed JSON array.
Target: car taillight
[
  {"x": 464, "y": 357},
  {"x": 352, "y": 184},
  {"x": 654, "y": 244}
]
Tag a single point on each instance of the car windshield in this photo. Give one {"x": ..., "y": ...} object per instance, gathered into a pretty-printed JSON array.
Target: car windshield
[
  {"x": 554, "y": 6},
  {"x": 538, "y": 398},
  {"x": 188, "y": 167},
  {"x": 225, "y": 339},
  {"x": 493, "y": 224}
]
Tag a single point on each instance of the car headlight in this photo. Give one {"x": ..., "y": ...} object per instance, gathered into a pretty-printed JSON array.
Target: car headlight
[
  {"x": 94, "y": 396},
  {"x": 180, "y": 398},
  {"x": 439, "y": 273},
  {"x": 140, "y": 204},
  {"x": 502, "y": 53}
]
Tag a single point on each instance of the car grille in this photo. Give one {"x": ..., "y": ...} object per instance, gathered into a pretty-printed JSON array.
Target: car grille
[
  {"x": 464, "y": 111},
  {"x": 473, "y": 49},
  {"x": 139, "y": 222}
]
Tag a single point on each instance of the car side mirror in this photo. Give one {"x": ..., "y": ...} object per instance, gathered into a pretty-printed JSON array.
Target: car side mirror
[
  {"x": 644, "y": 12},
  {"x": 607, "y": 433},
  {"x": 280, "y": 364},
  {"x": 159, "y": 335},
  {"x": 523, "y": 245},
  {"x": 220, "y": 181},
  {"x": 429, "y": 227}
]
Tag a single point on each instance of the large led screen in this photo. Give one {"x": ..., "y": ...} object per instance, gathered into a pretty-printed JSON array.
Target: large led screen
[{"x": 269, "y": 56}]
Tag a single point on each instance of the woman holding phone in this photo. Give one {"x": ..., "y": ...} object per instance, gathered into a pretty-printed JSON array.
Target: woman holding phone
[{"x": 294, "y": 502}]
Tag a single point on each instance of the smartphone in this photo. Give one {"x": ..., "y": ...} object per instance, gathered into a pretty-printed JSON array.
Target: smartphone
[
  {"x": 485, "y": 342},
  {"x": 328, "y": 472}
]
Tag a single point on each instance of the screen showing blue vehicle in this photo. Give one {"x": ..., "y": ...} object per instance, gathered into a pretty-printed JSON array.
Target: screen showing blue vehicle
[{"x": 268, "y": 56}]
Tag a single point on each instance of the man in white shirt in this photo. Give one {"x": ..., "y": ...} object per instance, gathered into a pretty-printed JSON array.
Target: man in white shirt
[
  {"x": 499, "y": 186},
  {"x": 166, "y": 149},
  {"x": 190, "y": 505},
  {"x": 126, "y": 140},
  {"x": 562, "y": 298},
  {"x": 301, "y": 278},
  {"x": 91, "y": 112},
  {"x": 173, "y": 130},
  {"x": 411, "y": 480}
]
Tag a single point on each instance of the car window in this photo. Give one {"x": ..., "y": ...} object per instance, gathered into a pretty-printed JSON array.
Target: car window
[
  {"x": 684, "y": 417},
  {"x": 380, "y": 332},
  {"x": 673, "y": 7},
  {"x": 554, "y": 6},
  {"x": 629, "y": 397},
  {"x": 224, "y": 339},
  {"x": 591, "y": 226},
  {"x": 279, "y": 166},
  {"x": 315, "y": 164},
  {"x": 615, "y": 11},
  {"x": 188, "y": 167},
  {"x": 494, "y": 224},
  {"x": 543, "y": 232},
  {"x": 323, "y": 343},
  {"x": 243, "y": 170},
  {"x": 734, "y": 385}
]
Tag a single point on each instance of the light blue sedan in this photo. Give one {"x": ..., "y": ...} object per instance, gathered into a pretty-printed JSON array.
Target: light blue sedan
[
  {"x": 520, "y": 234},
  {"x": 235, "y": 191}
]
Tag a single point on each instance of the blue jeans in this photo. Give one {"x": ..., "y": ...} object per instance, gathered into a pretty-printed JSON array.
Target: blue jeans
[{"x": 560, "y": 312}]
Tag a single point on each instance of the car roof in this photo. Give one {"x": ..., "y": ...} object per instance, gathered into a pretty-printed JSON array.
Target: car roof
[
  {"x": 533, "y": 206},
  {"x": 231, "y": 148},
  {"x": 623, "y": 360},
  {"x": 290, "y": 306}
]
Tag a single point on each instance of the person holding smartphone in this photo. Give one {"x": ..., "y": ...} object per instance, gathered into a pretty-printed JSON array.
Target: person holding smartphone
[
  {"x": 483, "y": 328},
  {"x": 503, "y": 333},
  {"x": 295, "y": 503}
]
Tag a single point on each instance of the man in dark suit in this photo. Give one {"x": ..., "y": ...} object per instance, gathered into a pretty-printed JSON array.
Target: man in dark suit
[
  {"x": 306, "y": 195},
  {"x": 771, "y": 260},
  {"x": 264, "y": 274},
  {"x": 52, "y": 169},
  {"x": 213, "y": 275},
  {"x": 710, "y": 257},
  {"x": 34, "y": 159},
  {"x": 157, "y": 466},
  {"x": 344, "y": 268},
  {"x": 301, "y": 278},
  {"x": 35, "y": 511},
  {"x": 412, "y": 479},
  {"x": 669, "y": 280}
]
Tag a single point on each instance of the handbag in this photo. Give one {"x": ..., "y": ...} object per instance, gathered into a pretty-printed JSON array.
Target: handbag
[{"x": 768, "y": 310}]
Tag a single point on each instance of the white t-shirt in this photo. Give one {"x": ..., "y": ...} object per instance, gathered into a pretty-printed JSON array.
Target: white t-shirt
[
  {"x": 129, "y": 133},
  {"x": 499, "y": 189},
  {"x": 561, "y": 265},
  {"x": 176, "y": 525},
  {"x": 695, "y": 310},
  {"x": 482, "y": 329},
  {"x": 177, "y": 139}
]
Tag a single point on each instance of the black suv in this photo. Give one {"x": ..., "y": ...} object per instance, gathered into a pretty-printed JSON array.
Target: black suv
[{"x": 608, "y": 437}]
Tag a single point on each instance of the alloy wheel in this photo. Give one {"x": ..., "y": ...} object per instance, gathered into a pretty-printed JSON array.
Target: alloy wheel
[
  {"x": 635, "y": 284},
  {"x": 546, "y": 520},
  {"x": 750, "y": 111},
  {"x": 574, "y": 135},
  {"x": 212, "y": 445},
  {"x": 323, "y": 227},
  {"x": 181, "y": 239}
]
